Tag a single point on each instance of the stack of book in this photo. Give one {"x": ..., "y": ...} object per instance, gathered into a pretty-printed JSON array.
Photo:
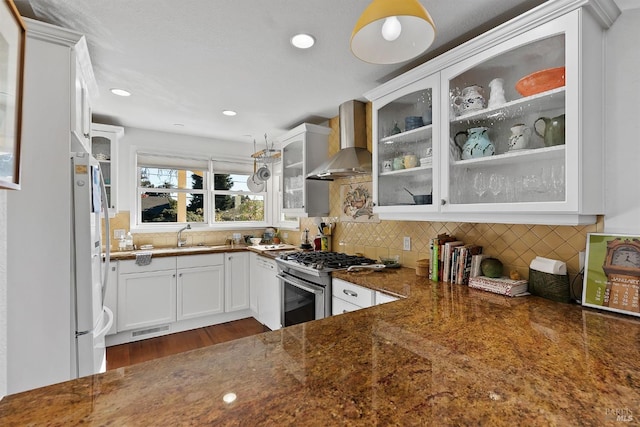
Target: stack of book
[
  {"x": 453, "y": 261},
  {"x": 499, "y": 285}
]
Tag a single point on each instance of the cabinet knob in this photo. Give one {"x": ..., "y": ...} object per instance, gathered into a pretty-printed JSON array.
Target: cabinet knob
[
  {"x": 180, "y": 275},
  {"x": 443, "y": 202}
]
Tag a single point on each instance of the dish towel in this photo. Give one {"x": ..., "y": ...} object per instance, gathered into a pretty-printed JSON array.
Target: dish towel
[{"x": 143, "y": 258}]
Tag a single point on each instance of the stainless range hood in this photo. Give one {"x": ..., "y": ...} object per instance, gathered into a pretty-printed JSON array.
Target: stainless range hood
[{"x": 353, "y": 159}]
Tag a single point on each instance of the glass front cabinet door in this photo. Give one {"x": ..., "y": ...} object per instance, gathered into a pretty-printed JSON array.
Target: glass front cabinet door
[
  {"x": 521, "y": 125},
  {"x": 405, "y": 166},
  {"x": 104, "y": 148},
  {"x": 303, "y": 149}
]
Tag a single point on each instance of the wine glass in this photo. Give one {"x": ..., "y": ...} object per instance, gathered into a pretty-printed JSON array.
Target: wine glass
[
  {"x": 557, "y": 179},
  {"x": 496, "y": 184},
  {"x": 480, "y": 184}
]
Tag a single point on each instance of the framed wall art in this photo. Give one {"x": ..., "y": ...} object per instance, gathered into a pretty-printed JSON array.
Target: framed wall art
[
  {"x": 612, "y": 273},
  {"x": 12, "y": 42}
]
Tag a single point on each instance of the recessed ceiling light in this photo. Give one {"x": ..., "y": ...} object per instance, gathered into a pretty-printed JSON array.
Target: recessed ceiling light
[
  {"x": 120, "y": 92},
  {"x": 303, "y": 41},
  {"x": 229, "y": 113}
]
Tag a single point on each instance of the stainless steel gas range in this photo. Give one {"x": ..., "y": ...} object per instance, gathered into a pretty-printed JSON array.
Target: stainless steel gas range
[{"x": 305, "y": 283}]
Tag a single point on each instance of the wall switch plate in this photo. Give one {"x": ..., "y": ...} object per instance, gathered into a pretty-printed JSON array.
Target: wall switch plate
[
  {"x": 285, "y": 235},
  {"x": 118, "y": 233},
  {"x": 406, "y": 243}
]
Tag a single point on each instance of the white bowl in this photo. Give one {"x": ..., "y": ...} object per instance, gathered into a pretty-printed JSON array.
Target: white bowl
[{"x": 255, "y": 241}]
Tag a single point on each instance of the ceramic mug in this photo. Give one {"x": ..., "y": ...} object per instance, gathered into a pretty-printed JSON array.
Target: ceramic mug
[
  {"x": 410, "y": 161},
  {"x": 470, "y": 100},
  {"x": 519, "y": 138},
  {"x": 398, "y": 163},
  {"x": 387, "y": 166}
]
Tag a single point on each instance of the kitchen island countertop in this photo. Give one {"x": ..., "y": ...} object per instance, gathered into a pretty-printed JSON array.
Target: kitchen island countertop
[{"x": 442, "y": 355}]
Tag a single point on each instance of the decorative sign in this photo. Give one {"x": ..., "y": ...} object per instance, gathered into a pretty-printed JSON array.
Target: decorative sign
[
  {"x": 357, "y": 203},
  {"x": 612, "y": 275}
]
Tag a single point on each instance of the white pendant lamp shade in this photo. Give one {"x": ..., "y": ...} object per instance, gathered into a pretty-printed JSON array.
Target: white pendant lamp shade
[{"x": 392, "y": 31}]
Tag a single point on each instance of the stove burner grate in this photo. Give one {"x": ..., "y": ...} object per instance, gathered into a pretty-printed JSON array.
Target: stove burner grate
[{"x": 328, "y": 259}]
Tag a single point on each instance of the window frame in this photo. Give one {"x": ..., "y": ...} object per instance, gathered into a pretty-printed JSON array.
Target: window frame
[{"x": 208, "y": 192}]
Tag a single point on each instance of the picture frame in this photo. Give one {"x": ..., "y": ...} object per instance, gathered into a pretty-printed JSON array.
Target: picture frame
[
  {"x": 12, "y": 44},
  {"x": 612, "y": 273}
]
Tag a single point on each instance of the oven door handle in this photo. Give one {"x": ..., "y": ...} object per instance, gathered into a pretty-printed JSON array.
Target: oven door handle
[{"x": 298, "y": 284}]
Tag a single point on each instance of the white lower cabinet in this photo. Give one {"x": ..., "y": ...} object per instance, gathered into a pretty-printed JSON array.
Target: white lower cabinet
[
  {"x": 236, "y": 272},
  {"x": 382, "y": 298},
  {"x": 350, "y": 297},
  {"x": 146, "y": 294},
  {"x": 200, "y": 287},
  {"x": 268, "y": 288},
  {"x": 254, "y": 273}
]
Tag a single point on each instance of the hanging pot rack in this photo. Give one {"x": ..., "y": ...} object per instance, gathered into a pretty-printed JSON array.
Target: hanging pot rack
[{"x": 269, "y": 155}]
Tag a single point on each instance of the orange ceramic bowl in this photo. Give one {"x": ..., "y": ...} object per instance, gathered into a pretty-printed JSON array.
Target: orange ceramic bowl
[{"x": 541, "y": 81}]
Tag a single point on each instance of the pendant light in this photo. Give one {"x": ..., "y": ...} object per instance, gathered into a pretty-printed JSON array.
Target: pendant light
[{"x": 392, "y": 31}]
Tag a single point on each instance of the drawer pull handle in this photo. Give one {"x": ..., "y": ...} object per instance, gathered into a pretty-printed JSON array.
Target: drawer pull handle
[{"x": 350, "y": 293}]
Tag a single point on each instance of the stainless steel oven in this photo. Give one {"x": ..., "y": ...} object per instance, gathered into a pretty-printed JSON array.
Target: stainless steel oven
[
  {"x": 302, "y": 299},
  {"x": 305, "y": 283}
]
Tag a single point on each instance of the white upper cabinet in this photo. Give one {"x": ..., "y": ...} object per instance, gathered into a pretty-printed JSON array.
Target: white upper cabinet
[
  {"x": 500, "y": 153},
  {"x": 84, "y": 86},
  {"x": 303, "y": 149},
  {"x": 104, "y": 147}
]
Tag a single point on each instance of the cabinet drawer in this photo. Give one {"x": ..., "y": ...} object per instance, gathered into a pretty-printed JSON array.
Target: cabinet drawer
[
  {"x": 202, "y": 260},
  {"x": 340, "y": 306},
  {"x": 382, "y": 298},
  {"x": 362, "y": 297},
  {"x": 157, "y": 264}
]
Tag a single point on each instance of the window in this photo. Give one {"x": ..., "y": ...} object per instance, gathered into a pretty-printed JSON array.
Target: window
[
  {"x": 233, "y": 201},
  {"x": 174, "y": 189}
]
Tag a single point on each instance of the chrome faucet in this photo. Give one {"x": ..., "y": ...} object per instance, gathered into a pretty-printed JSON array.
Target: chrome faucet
[{"x": 181, "y": 242}]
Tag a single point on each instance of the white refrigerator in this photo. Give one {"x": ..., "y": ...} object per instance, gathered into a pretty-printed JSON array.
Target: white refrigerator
[{"x": 91, "y": 318}]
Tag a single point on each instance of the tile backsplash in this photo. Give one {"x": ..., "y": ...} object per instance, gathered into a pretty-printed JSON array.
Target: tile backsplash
[{"x": 165, "y": 239}]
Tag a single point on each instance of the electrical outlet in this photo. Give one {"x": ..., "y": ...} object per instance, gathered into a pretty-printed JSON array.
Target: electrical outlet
[
  {"x": 581, "y": 256},
  {"x": 406, "y": 243},
  {"x": 118, "y": 233},
  {"x": 285, "y": 235}
]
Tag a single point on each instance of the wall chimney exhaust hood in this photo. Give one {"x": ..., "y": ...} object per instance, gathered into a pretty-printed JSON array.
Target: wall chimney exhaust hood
[{"x": 353, "y": 159}]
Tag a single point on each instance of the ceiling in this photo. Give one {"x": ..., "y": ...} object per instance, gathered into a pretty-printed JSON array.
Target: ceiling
[{"x": 186, "y": 61}]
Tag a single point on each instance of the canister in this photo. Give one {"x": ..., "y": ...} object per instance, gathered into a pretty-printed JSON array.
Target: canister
[
  {"x": 422, "y": 268},
  {"x": 325, "y": 243}
]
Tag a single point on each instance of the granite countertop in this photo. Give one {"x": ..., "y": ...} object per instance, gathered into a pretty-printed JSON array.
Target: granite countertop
[
  {"x": 443, "y": 355},
  {"x": 196, "y": 250}
]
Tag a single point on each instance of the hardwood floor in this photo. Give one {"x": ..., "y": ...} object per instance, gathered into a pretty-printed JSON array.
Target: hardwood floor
[{"x": 152, "y": 348}]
